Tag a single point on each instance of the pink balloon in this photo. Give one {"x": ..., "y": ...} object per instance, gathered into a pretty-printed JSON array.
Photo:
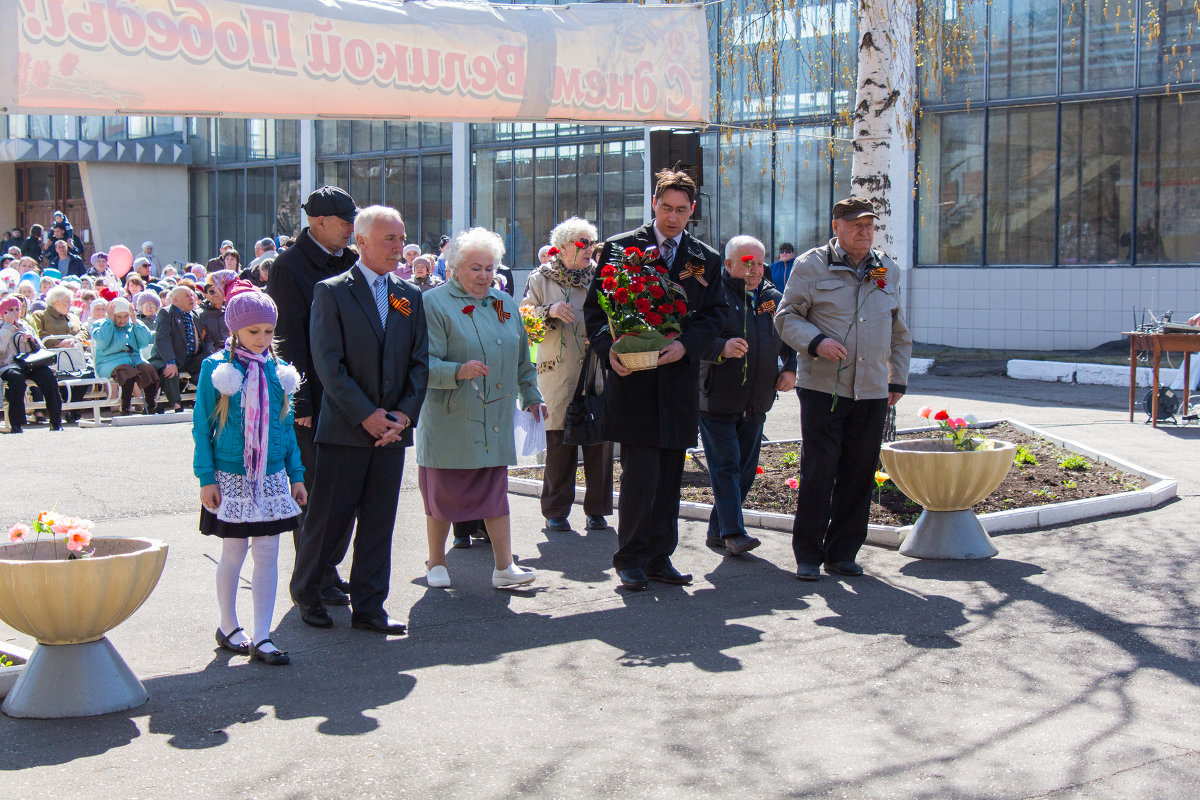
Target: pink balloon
[{"x": 120, "y": 260}]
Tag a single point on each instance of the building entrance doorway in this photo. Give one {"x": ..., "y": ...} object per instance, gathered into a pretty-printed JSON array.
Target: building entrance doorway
[{"x": 43, "y": 189}]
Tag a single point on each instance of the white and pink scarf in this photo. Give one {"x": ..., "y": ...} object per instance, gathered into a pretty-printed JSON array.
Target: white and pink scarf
[{"x": 256, "y": 404}]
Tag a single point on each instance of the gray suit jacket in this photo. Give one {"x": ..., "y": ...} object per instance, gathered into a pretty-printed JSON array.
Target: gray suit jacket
[{"x": 361, "y": 365}]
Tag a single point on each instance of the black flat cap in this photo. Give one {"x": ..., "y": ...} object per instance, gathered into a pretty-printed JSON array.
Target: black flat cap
[
  {"x": 330, "y": 201},
  {"x": 853, "y": 208}
]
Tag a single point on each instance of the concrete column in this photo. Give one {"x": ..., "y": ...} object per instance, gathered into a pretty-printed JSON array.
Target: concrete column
[
  {"x": 460, "y": 183},
  {"x": 129, "y": 203},
  {"x": 308, "y": 160},
  {"x": 8, "y": 197}
]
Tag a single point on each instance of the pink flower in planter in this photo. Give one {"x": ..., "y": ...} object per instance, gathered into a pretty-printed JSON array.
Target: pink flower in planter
[
  {"x": 926, "y": 411},
  {"x": 78, "y": 538},
  {"x": 18, "y": 532}
]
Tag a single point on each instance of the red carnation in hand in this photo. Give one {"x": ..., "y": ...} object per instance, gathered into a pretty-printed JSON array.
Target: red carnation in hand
[
  {"x": 621, "y": 295},
  {"x": 656, "y": 291},
  {"x": 881, "y": 283},
  {"x": 609, "y": 284},
  {"x": 941, "y": 415},
  {"x": 553, "y": 251},
  {"x": 468, "y": 309},
  {"x": 608, "y": 271},
  {"x": 643, "y": 305},
  {"x": 747, "y": 259},
  {"x": 637, "y": 285},
  {"x": 633, "y": 268},
  {"x": 632, "y": 251},
  {"x": 680, "y": 307},
  {"x": 666, "y": 309},
  {"x": 653, "y": 319},
  {"x": 662, "y": 270}
]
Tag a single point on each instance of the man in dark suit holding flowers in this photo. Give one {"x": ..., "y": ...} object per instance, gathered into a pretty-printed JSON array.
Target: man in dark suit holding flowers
[{"x": 654, "y": 413}]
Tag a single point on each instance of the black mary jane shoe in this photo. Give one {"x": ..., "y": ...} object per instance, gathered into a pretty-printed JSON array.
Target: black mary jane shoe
[
  {"x": 242, "y": 649},
  {"x": 276, "y": 658}
]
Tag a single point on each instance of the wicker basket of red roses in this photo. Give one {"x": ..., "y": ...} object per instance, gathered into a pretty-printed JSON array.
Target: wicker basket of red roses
[{"x": 645, "y": 309}]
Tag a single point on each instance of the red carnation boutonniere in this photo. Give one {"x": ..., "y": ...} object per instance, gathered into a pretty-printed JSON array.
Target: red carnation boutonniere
[
  {"x": 468, "y": 309},
  {"x": 881, "y": 283}
]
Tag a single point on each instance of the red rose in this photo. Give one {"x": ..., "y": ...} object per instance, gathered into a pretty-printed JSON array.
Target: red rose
[
  {"x": 666, "y": 309},
  {"x": 609, "y": 284},
  {"x": 653, "y": 319},
  {"x": 468, "y": 309},
  {"x": 656, "y": 291},
  {"x": 621, "y": 295},
  {"x": 632, "y": 251},
  {"x": 941, "y": 415},
  {"x": 643, "y": 305},
  {"x": 881, "y": 283},
  {"x": 608, "y": 271},
  {"x": 680, "y": 307}
]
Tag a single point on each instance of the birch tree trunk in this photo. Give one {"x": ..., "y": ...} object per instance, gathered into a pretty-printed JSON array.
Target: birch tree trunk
[{"x": 884, "y": 123}]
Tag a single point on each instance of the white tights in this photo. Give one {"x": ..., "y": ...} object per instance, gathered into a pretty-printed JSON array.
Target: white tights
[{"x": 264, "y": 578}]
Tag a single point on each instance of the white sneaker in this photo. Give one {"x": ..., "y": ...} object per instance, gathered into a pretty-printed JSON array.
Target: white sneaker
[
  {"x": 512, "y": 576},
  {"x": 437, "y": 577}
]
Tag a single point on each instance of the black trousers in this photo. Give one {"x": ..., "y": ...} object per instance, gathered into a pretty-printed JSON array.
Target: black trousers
[
  {"x": 171, "y": 386},
  {"x": 43, "y": 377},
  {"x": 308, "y": 457},
  {"x": 352, "y": 483},
  {"x": 839, "y": 449},
  {"x": 648, "y": 508},
  {"x": 558, "y": 478}
]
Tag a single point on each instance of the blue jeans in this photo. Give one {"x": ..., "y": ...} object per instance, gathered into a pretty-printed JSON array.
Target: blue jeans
[{"x": 731, "y": 450}]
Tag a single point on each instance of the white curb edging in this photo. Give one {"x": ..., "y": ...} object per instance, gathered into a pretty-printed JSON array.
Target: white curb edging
[
  {"x": 9, "y": 675},
  {"x": 1159, "y": 492}
]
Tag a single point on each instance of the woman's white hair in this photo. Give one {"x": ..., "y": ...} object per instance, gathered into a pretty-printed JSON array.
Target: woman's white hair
[
  {"x": 367, "y": 217},
  {"x": 474, "y": 240},
  {"x": 58, "y": 293},
  {"x": 740, "y": 241},
  {"x": 570, "y": 230}
]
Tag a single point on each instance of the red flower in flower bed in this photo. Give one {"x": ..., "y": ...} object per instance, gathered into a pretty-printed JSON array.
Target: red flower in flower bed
[
  {"x": 608, "y": 284},
  {"x": 642, "y": 304},
  {"x": 943, "y": 414}
]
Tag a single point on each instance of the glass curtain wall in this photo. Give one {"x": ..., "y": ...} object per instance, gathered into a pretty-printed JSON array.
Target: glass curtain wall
[{"x": 1067, "y": 141}]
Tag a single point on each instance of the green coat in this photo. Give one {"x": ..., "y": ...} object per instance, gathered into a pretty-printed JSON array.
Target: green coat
[{"x": 455, "y": 430}]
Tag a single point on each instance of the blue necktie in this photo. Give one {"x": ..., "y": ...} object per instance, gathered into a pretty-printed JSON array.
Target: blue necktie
[
  {"x": 381, "y": 302},
  {"x": 668, "y": 252}
]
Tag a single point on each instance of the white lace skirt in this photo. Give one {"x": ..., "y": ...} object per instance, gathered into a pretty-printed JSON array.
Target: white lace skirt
[{"x": 242, "y": 515}]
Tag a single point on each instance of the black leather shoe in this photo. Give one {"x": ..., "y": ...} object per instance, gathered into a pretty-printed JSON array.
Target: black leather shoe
[
  {"x": 557, "y": 524},
  {"x": 596, "y": 522},
  {"x": 669, "y": 574},
  {"x": 633, "y": 579},
  {"x": 715, "y": 542},
  {"x": 850, "y": 569},
  {"x": 381, "y": 624},
  {"x": 317, "y": 616},
  {"x": 339, "y": 583},
  {"x": 15, "y": 429},
  {"x": 742, "y": 543},
  {"x": 462, "y": 542},
  {"x": 333, "y": 596},
  {"x": 276, "y": 658},
  {"x": 242, "y": 649},
  {"x": 808, "y": 572}
]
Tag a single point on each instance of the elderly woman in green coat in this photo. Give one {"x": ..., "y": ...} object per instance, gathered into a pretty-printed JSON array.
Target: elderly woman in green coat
[{"x": 479, "y": 371}]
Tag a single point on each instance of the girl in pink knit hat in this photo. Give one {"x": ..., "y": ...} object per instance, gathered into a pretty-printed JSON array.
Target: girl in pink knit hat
[{"x": 248, "y": 463}]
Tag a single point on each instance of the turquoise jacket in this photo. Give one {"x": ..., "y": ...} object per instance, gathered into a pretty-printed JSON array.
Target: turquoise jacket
[
  {"x": 223, "y": 449},
  {"x": 116, "y": 346},
  {"x": 456, "y": 430}
]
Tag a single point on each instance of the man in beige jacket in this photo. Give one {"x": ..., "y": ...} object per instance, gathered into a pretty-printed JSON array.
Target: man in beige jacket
[{"x": 842, "y": 314}]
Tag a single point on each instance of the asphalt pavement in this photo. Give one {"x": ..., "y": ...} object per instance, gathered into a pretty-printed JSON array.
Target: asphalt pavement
[{"x": 1066, "y": 666}]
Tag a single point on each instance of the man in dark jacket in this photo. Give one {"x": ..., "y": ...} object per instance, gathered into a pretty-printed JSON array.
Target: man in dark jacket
[
  {"x": 653, "y": 413},
  {"x": 741, "y": 372},
  {"x": 178, "y": 343},
  {"x": 33, "y": 246},
  {"x": 320, "y": 252}
]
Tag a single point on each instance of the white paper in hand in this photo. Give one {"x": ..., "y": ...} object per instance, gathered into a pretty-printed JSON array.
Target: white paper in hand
[{"x": 530, "y": 433}]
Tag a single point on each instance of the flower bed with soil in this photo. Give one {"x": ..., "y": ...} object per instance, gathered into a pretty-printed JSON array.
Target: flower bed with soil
[{"x": 1044, "y": 473}]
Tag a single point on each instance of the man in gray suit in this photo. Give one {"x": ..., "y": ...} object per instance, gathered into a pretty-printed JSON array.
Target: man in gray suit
[{"x": 369, "y": 350}]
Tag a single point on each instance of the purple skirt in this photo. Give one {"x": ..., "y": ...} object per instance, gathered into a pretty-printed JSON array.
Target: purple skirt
[{"x": 462, "y": 495}]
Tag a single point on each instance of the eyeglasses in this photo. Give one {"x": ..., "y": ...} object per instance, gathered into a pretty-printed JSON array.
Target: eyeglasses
[{"x": 475, "y": 386}]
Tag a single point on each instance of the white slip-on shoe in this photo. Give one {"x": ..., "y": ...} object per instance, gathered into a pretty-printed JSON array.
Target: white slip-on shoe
[
  {"x": 512, "y": 576},
  {"x": 437, "y": 577}
]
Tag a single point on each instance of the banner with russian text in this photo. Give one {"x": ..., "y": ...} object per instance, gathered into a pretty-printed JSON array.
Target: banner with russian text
[{"x": 431, "y": 60}]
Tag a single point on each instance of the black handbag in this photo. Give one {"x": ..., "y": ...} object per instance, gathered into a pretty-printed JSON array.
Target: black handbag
[
  {"x": 30, "y": 362},
  {"x": 582, "y": 426}
]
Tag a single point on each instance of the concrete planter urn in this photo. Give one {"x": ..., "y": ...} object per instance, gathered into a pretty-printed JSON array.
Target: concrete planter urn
[
  {"x": 946, "y": 482},
  {"x": 68, "y": 606}
]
